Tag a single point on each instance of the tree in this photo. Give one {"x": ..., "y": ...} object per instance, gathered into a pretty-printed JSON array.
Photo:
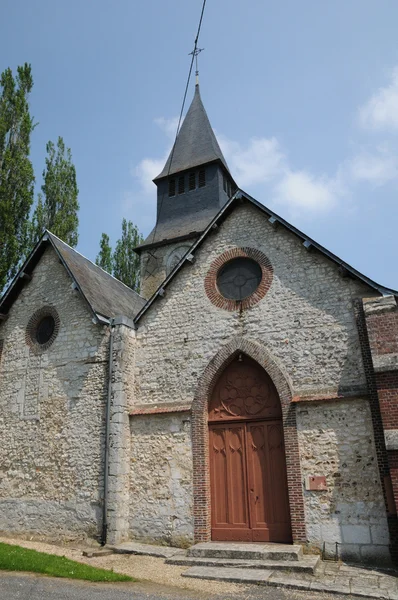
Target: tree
[
  {"x": 57, "y": 208},
  {"x": 124, "y": 263},
  {"x": 104, "y": 258},
  {"x": 16, "y": 171}
]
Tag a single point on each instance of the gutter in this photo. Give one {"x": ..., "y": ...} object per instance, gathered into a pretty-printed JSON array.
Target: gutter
[{"x": 107, "y": 428}]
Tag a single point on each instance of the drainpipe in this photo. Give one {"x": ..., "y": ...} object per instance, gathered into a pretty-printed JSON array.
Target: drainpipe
[{"x": 107, "y": 427}]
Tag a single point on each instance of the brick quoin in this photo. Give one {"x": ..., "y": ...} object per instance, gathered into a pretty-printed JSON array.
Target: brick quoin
[{"x": 200, "y": 443}]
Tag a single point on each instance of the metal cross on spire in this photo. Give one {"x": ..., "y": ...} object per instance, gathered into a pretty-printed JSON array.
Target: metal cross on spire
[{"x": 195, "y": 54}]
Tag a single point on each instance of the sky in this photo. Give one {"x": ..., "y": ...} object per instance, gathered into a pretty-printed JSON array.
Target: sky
[{"x": 303, "y": 97}]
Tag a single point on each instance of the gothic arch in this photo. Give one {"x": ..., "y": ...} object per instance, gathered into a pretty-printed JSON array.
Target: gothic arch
[{"x": 200, "y": 445}]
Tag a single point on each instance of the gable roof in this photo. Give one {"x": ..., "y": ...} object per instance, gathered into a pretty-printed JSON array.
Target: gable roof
[
  {"x": 196, "y": 143},
  {"x": 106, "y": 296},
  {"x": 309, "y": 243}
]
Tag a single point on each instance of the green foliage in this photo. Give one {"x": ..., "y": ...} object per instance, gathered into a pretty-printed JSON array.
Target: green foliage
[
  {"x": 104, "y": 258},
  {"x": 57, "y": 208},
  {"x": 126, "y": 263},
  {"x": 15, "y": 558},
  {"x": 16, "y": 171}
]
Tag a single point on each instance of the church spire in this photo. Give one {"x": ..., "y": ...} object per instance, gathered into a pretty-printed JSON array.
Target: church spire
[{"x": 196, "y": 143}]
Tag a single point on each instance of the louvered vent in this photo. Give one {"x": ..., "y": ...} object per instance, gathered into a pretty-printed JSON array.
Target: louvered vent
[
  {"x": 172, "y": 187},
  {"x": 192, "y": 181},
  {"x": 202, "y": 178},
  {"x": 181, "y": 185}
]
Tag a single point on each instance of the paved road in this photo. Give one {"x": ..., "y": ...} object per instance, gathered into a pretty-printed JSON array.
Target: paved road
[{"x": 32, "y": 587}]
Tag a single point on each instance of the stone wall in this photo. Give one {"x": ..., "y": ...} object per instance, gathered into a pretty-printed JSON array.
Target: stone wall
[
  {"x": 336, "y": 440},
  {"x": 121, "y": 401},
  {"x": 305, "y": 322},
  {"x": 161, "y": 479},
  {"x": 156, "y": 263},
  {"x": 52, "y": 408}
]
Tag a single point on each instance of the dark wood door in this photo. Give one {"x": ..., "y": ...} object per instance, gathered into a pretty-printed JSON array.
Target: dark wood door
[{"x": 249, "y": 498}]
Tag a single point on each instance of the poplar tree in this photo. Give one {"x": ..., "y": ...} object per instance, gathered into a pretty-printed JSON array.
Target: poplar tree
[
  {"x": 124, "y": 263},
  {"x": 16, "y": 171},
  {"x": 104, "y": 258},
  {"x": 57, "y": 207}
]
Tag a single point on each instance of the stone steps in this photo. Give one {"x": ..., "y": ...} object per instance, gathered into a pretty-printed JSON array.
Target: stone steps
[
  {"x": 246, "y": 551},
  {"x": 306, "y": 564}
]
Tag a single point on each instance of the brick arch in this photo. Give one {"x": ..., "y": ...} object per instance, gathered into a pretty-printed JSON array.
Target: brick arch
[{"x": 200, "y": 442}]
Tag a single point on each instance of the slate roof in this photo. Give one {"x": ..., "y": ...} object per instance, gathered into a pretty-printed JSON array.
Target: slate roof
[
  {"x": 196, "y": 143},
  {"x": 186, "y": 227},
  {"x": 309, "y": 243},
  {"x": 106, "y": 296}
]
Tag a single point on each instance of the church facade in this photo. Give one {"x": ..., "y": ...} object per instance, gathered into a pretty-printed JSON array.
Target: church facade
[{"x": 249, "y": 393}]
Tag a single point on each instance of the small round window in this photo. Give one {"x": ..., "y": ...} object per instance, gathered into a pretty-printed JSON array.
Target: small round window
[
  {"x": 45, "y": 330},
  {"x": 239, "y": 278},
  {"x": 42, "y": 329}
]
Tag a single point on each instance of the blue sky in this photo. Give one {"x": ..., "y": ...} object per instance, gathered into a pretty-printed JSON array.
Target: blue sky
[{"x": 303, "y": 97}]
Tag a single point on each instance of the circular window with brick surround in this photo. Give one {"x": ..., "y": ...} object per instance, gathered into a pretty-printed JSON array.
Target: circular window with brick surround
[
  {"x": 238, "y": 279},
  {"x": 42, "y": 328}
]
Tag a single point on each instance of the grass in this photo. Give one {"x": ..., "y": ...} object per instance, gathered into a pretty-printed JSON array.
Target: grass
[{"x": 16, "y": 558}]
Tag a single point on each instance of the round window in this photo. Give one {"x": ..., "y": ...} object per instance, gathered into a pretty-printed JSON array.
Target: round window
[
  {"x": 42, "y": 329},
  {"x": 239, "y": 278},
  {"x": 45, "y": 330}
]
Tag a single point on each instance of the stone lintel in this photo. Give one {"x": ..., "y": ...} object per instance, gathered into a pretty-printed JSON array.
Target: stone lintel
[
  {"x": 391, "y": 439},
  {"x": 385, "y": 362},
  {"x": 379, "y": 305}
]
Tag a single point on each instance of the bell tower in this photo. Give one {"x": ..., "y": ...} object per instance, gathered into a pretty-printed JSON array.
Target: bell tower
[{"x": 192, "y": 187}]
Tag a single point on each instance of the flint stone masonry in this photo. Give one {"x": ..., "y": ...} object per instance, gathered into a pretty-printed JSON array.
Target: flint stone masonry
[
  {"x": 52, "y": 414},
  {"x": 337, "y": 440},
  {"x": 305, "y": 322},
  {"x": 306, "y": 319},
  {"x": 161, "y": 479}
]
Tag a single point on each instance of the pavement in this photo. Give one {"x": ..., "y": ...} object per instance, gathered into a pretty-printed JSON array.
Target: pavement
[{"x": 21, "y": 586}]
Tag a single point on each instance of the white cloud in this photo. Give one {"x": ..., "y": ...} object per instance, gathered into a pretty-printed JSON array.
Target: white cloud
[
  {"x": 299, "y": 191},
  {"x": 380, "y": 112},
  {"x": 378, "y": 166},
  {"x": 168, "y": 126},
  {"x": 260, "y": 161}
]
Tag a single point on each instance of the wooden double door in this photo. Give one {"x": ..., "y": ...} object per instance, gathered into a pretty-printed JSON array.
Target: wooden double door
[{"x": 249, "y": 495}]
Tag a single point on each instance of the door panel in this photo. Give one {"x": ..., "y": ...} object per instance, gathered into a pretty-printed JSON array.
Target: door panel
[
  {"x": 270, "y": 515},
  {"x": 230, "y": 514}
]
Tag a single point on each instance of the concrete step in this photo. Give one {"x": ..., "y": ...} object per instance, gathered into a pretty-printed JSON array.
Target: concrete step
[
  {"x": 306, "y": 564},
  {"x": 146, "y": 550},
  {"x": 246, "y": 551}
]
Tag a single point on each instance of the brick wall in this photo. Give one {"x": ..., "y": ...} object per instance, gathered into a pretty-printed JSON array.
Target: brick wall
[{"x": 381, "y": 318}]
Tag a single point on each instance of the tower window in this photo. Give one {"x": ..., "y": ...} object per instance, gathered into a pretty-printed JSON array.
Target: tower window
[
  {"x": 192, "y": 180},
  {"x": 181, "y": 185},
  {"x": 202, "y": 178},
  {"x": 224, "y": 182},
  {"x": 172, "y": 187}
]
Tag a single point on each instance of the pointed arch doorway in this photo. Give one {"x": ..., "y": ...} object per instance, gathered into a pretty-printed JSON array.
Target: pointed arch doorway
[{"x": 249, "y": 493}]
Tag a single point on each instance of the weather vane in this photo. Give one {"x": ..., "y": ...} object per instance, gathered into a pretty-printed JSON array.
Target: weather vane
[{"x": 195, "y": 54}]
